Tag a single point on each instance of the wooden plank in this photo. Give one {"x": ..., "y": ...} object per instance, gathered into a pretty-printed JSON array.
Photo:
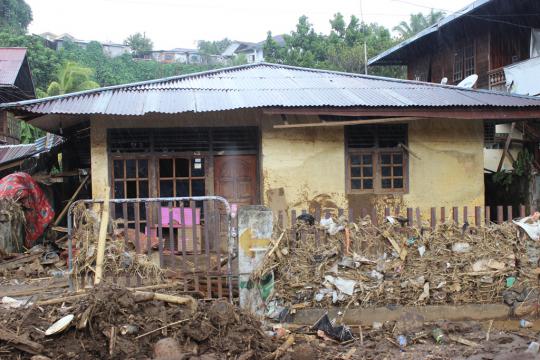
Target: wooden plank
[
  {"x": 161, "y": 245},
  {"x": 349, "y": 122},
  {"x": 506, "y": 146},
  {"x": 418, "y": 218},
  {"x": 521, "y": 211},
  {"x": 509, "y": 213},
  {"x": 182, "y": 235},
  {"x": 171, "y": 234},
  {"x": 20, "y": 342},
  {"x": 443, "y": 215},
  {"x": 102, "y": 238},
  {"x": 207, "y": 252},
  {"x": 455, "y": 214},
  {"x": 500, "y": 214},
  {"x": 409, "y": 216},
  {"x": 465, "y": 215},
  {"x": 374, "y": 217},
  {"x": 487, "y": 215},
  {"x": 73, "y": 197},
  {"x": 195, "y": 243},
  {"x": 429, "y": 113},
  {"x": 433, "y": 218},
  {"x": 477, "y": 216}
]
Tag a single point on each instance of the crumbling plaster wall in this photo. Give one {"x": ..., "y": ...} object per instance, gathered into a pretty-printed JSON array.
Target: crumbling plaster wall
[{"x": 303, "y": 168}]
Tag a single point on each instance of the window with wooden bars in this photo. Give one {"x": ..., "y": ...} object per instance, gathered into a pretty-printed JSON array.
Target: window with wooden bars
[
  {"x": 376, "y": 163},
  {"x": 464, "y": 63},
  {"x": 131, "y": 181},
  {"x": 181, "y": 176}
]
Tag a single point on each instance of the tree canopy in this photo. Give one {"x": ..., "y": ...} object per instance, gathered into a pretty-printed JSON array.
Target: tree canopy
[
  {"x": 342, "y": 49},
  {"x": 15, "y": 15},
  {"x": 72, "y": 77},
  {"x": 139, "y": 43},
  {"x": 213, "y": 47},
  {"x": 417, "y": 23}
]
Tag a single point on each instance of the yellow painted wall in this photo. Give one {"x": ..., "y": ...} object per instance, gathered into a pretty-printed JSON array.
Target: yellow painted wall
[
  {"x": 450, "y": 171},
  {"x": 305, "y": 168}
]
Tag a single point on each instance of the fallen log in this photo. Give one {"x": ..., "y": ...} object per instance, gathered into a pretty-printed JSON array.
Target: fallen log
[{"x": 20, "y": 343}]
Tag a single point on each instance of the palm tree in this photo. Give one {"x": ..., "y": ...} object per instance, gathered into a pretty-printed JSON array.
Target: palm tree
[
  {"x": 72, "y": 77},
  {"x": 417, "y": 23}
]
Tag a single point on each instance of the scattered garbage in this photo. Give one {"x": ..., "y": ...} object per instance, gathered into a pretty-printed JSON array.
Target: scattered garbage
[
  {"x": 534, "y": 347},
  {"x": 61, "y": 325},
  {"x": 525, "y": 323},
  {"x": 401, "y": 340},
  {"x": 340, "y": 333}
]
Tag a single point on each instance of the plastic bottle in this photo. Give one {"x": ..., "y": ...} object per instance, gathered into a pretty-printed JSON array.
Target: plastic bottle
[
  {"x": 401, "y": 340},
  {"x": 438, "y": 335}
]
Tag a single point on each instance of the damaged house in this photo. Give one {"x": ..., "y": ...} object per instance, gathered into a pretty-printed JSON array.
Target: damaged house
[{"x": 287, "y": 137}]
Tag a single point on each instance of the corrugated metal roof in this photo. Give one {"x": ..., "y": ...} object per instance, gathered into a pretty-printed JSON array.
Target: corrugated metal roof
[
  {"x": 265, "y": 85},
  {"x": 11, "y": 60},
  {"x": 9, "y": 153},
  {"x": 429, "y": 30}
]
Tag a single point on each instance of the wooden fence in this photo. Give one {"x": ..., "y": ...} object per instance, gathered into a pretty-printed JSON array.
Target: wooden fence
[{"x": 472, "y": 215}]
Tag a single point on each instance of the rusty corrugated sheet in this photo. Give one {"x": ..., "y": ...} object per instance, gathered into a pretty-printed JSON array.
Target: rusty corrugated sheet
[
  {"x": 11, "y": 60},
  {"x": 9, "y": 153},
  {"x": 266, "y": 85}
]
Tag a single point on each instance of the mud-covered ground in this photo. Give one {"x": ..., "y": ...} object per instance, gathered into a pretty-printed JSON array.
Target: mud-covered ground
[{"x": 110, "y": 323}]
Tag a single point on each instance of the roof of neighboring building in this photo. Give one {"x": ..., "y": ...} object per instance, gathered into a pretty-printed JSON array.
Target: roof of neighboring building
[
  {"x": 11, "y": 61},
  {"x": 15, "y": 76},
  {"x": 265, "y": 85},
  {"x": 10, "y": 153},
  {"x": 379, "y": 59}
]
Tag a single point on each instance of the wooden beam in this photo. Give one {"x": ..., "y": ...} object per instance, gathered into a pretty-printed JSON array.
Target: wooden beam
[
  {"x": 347, "y": 122},
  {"x": 75, "y": 194},
  {"x": 506, "y": 146},
  {"x": 436, "y": 113},
  {"x": 102, "y": 238}
]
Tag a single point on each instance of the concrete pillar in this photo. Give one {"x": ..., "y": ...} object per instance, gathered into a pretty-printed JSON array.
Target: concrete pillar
[{"x": 254, "y": 234}]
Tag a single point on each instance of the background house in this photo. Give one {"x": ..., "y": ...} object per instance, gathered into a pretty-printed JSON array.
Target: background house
[
  {"x": 176, "y": 55},
  {"x": 56, "y": 42},
  {"x": 254, "y": 52},
  {"x": 488, "y": 38},
  {"x": 283, "y": 136},
  {"x": 15, "y": 84}
]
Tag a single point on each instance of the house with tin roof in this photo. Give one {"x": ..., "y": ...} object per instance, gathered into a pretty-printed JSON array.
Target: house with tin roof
[{"x": 283, "y": 136}]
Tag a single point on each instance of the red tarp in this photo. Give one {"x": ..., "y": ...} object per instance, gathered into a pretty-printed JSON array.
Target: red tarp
[{"x": 37, "y": 210}]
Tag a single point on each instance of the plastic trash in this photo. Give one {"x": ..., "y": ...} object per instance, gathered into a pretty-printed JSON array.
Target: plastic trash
[
  {"x": 534, "y": 347},
  {"x": 461, "y": 247},
  {"x": 421, "y": 250},
  {"x": 531, "y": 225},
  {"x": 340, "y": 333},
  {"x": 401, "y": 340},
  {"x": 525, "y": 324},
  {"x": 377, "y": 325},
  {"x": 510, "y": 281}
]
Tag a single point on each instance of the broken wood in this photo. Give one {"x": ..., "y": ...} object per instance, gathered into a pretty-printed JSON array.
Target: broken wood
[
  {"x": 61, "y": 300},
  {"x": 112, "y": 340},
  {"x": 20, "y": 342},
  {"x": 462, "y": 340},
  {"x": 280, "y": 351},
  {"x": 75, "y": 194},
  {"x": 506, "y": 146},
  {"x": 141, "y": 296},
  {"x": 161, "y": 328},
  {"x": 102, "y": 238},
  {"x": 349, "y": 122},
  {"x": 18, "y": 262},
  {"x": 34, "y": 291}
]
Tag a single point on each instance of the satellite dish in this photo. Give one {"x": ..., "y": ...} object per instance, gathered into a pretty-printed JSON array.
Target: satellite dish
[
  {"x": 468, "y": 82},
  {"x": 444, "y": 81}
]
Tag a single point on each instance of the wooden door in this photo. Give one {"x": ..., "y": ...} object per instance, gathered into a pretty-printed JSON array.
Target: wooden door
[{"x": 235, "y": 178}]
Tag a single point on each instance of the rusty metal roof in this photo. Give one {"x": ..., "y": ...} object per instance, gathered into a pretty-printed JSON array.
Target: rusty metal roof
[
  {"x": 10, "y": 153},
  {"x": 11, "y": 60},
  {"x": 265, "y": 85}
]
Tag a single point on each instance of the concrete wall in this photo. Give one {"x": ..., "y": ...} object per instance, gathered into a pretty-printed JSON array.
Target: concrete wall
[{"x": 305, "y": 168}]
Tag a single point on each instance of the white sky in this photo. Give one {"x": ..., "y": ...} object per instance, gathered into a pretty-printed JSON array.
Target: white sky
[{"x": 180, "y": 23}]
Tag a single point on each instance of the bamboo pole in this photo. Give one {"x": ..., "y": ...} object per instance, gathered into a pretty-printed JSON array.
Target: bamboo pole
[{"x": 104, "y": 223}]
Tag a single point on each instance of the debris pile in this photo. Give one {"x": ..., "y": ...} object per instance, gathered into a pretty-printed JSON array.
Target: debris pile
[
  {"x": 119, "y": 323},
  {"x": 366, "y": 265}
]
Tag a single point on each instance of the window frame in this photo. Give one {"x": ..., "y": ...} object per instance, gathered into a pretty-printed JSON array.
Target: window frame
[
  {"x": 465, "y": 57},
  {"x": 376, "y": 152}
]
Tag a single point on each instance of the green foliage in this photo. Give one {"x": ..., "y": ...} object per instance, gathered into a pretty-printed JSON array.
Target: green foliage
[
  {"x": 72, "y": 77},
  {"x": 342, "y": 49},
  {"x": 522, "y": 169},
  {"x": 139, "y": 43},
  {"x": 417, "y": 23},
  {"x": 30, "y": 134},
  {"x": 15, "y": 16},
  {"x": 213, "y": 47}
]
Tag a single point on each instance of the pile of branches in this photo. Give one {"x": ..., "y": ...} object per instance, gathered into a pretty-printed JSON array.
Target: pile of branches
[
  {"x": 395, "y": 264},
  {"x": 120, "y": 259}
]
